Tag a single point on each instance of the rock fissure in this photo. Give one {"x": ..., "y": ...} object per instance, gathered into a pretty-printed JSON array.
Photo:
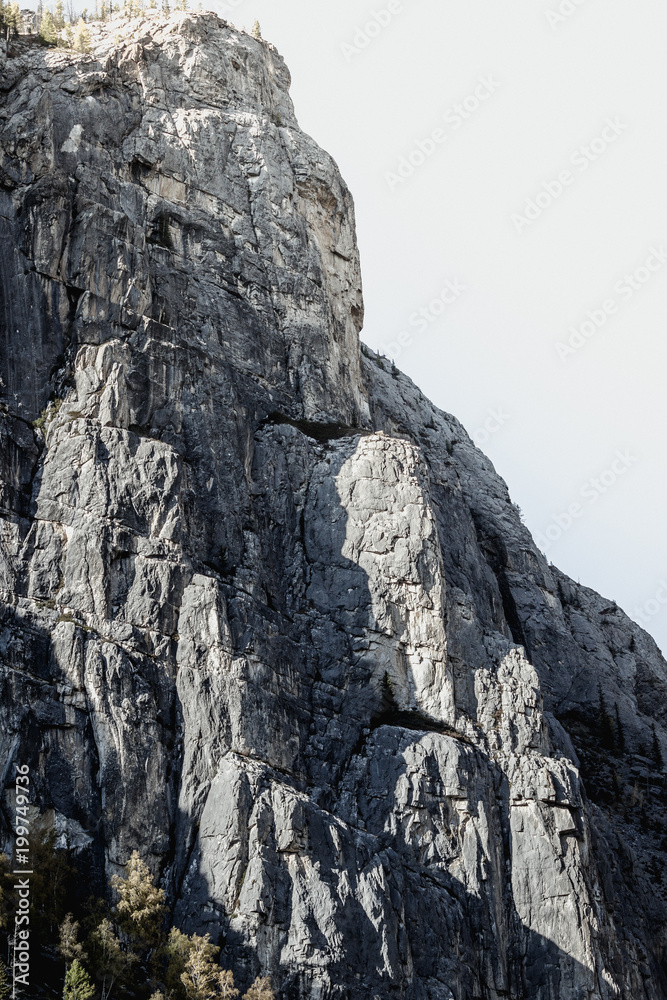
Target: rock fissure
[{"x": 267, "y": 614}]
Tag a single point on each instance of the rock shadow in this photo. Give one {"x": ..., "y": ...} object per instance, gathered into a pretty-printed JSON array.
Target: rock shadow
[{"x": 303, "y": 872}]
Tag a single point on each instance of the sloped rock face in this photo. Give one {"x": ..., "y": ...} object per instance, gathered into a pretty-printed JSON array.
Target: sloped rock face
[{"x": 267, "y": 614}]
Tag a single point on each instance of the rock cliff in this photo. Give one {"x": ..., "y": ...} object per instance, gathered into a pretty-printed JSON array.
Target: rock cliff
[{"x": 265, "y": 612}]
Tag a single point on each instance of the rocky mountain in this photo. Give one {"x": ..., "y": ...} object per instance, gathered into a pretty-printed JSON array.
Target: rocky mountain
[{"x": 266, "y": 614}]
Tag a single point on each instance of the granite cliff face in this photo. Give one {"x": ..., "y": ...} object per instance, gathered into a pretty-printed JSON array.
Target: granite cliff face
[{"x": 266, "y": 613}]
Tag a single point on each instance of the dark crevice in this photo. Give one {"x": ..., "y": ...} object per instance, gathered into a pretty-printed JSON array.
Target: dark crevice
[
  {"x": 416, "y": 722},
  {"x": 314, "y": 429},
  {"x": 495, "y": 554},
  {"x": 510, "y": 609}
]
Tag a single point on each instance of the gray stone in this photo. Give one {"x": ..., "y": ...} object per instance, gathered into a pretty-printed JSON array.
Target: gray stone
[{"x": 266, "y": 614}]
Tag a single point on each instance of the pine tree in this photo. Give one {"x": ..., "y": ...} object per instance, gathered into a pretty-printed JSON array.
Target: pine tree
[
  {"x": 260, "y": 990},
  {"x": 141, "y": 906},
  {"x": 201, "y": 977},
  {"x": 5, "y": 988},
  {"x": 12, "y": 16},
  {"x": 69, "y": 946},
  {"x": 256, "y": 31},
  {"x": 176, "y": 952},
  {"x": 47, "y": 30},
  {"x": 81, "y": 37},
  {"x": 77, "y": 983},
  {"x": 59, "y": 16},
  {"x": 226, "y": 988},
  {"x": 110, "y": 961},
  {"x": 50, "y": 886}
]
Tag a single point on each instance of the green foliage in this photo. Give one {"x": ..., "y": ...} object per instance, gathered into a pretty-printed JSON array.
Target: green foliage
[
  {"x": 141, "y": 906},
  {"x": 77, "y": 983},
  {"x": 81, "y": 37},
  {"x": 176, "y": 952},
  {"x": 256, "y": 31},
  {"x": 110, "y": 960},
  {"x": 69, "y": 945},
  {"x": 50, "y": 886},
  {"x": 59, "y": 16},
  {"x": 48, "y": 34},
  {"x": 226, "y": 988},
  {"x": 202, "y": 973},
  {"x": 10, "y": 19},
  {"x": 260, "y": 990}
]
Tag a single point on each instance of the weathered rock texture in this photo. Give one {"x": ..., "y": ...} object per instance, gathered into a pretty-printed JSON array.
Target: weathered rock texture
[{"x": 267, "y": 614}]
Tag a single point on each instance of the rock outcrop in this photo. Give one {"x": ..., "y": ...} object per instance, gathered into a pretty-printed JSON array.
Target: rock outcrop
[{"x": 266, "y": 613}]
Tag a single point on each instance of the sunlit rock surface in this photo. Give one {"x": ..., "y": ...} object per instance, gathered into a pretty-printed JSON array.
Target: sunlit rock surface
[{"x": 267, "y": 614}]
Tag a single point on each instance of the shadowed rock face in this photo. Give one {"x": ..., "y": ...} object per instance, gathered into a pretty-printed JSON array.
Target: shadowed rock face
[{"x": 266, "y": 613}]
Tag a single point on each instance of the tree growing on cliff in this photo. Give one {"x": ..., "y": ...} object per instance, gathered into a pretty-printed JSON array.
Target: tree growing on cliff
[
  {"x": 81, "y": 37},
  {"x": 47, "y": 29},
  {"x": 141, "y": 907},
  {"x": 109, "y": 959},
  {"x": 77, "y": 983},
  {"x": 51, "y": 886},
  {"x": 10, "y": 19},
  {"x": 260, "y": 990},
  {"x": 203, "y": 978},
  {"x": 256, "y": 31},
  {"x": 69, "y": 946}
]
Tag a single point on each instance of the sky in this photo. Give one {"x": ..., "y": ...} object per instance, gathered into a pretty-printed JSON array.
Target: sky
[
  {"x": 541, "y": 326},
  {"x": 508, "y": 166}
]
